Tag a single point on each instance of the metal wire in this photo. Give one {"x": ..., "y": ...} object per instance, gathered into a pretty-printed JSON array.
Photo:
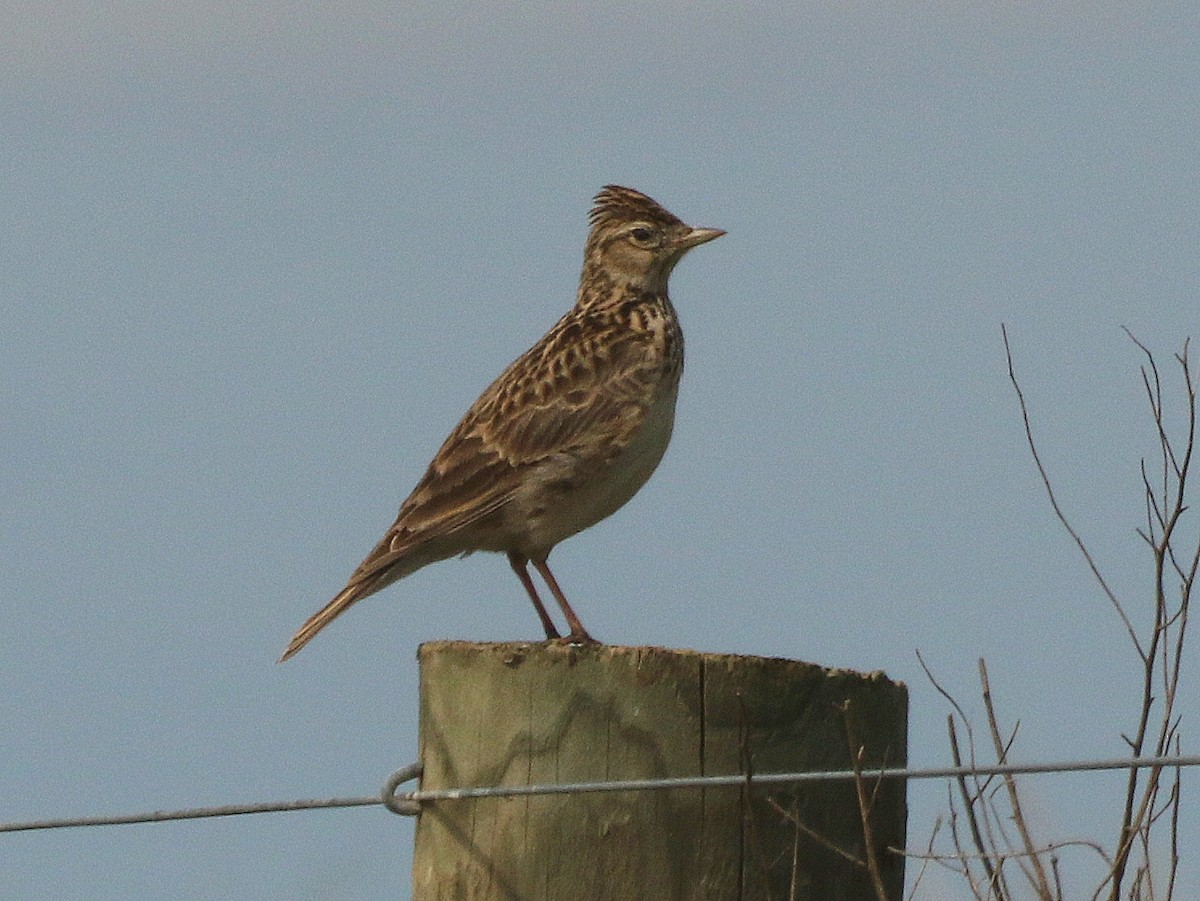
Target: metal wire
[
  {"x": 388, "y": 798},
  {"x": 409, "y": 803},
  {"x": 570, "y": 788},
  {"x": 190, "y": 813}
]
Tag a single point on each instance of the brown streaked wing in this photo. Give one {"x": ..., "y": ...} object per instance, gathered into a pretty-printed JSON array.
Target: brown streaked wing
[
  {"x": 584, "y": 389},
  {"x": 479, "y": 467},
  {"x": 595, "y": 419},
  {"x": 465, "y": 482}
]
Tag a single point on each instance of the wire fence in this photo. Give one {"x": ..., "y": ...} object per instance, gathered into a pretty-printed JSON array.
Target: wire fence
[{"x": 409, "y": 803}]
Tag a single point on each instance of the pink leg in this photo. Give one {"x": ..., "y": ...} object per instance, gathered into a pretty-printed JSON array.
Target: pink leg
[
  {"x": 578, "y": 633},
  {"x": 519, "y": 564}
]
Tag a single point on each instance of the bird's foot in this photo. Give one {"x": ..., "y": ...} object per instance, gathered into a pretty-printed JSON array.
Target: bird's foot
[{"x": 575, "y": 638}]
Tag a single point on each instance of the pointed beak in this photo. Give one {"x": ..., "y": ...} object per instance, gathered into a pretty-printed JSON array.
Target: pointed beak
[{"x": 698, "y": 236}]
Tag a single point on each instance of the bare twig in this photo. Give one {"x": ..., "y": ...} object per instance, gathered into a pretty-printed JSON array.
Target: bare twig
[
  {"x": 1173, "y": 867},
  {"x": 866, "y": 804},
  {"x": 1062, "y": 518},
  {"x": 1169, "y": 507},
  {"x": 970, "y": 799},
  {"x": 793, "y": 817},
  {"x": 961, "y": 856},
  {"x": 992, "y": 812},
  {"x": 925, "y": 859},
  {"x": 1049, "y": 848},
  {"x": 1036, "y": 873},
  {"x": 747, "y": 761}
]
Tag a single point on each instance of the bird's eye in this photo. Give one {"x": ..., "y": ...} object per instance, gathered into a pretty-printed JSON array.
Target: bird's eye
[{"x": 641, "y": 235}]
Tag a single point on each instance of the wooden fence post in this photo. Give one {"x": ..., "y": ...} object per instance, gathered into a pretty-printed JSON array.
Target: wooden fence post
[{"x": 520, "y": 714}]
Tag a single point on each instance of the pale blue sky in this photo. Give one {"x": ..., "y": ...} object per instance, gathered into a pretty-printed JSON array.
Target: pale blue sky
[{"x": 259, "y": 260}]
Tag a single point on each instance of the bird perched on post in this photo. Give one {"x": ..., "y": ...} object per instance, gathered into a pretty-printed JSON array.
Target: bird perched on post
[{"x": 569, "y": 431}]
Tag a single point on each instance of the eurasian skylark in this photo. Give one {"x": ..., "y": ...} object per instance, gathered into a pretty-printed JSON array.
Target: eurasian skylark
[{"x": 567, "y": 434}]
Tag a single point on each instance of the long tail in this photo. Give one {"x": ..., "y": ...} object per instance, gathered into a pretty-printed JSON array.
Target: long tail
[
  {"x": 383, "y": 566},
  {"x": 323, "y": 617}
]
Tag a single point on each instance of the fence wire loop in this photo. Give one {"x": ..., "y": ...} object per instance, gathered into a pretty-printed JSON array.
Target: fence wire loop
[
  {"x": 409, "y": 803},
  {"x": 402, "y": 804}
]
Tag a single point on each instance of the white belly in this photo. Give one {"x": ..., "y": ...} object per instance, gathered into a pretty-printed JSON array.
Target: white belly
[{"x": 550, "y": 515}]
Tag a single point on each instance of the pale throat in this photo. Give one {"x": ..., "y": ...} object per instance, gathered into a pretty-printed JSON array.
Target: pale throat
[{"x": 615, "y": 281}]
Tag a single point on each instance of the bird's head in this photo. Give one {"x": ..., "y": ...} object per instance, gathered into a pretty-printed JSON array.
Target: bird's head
[{"x": 634, "y": 242}]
